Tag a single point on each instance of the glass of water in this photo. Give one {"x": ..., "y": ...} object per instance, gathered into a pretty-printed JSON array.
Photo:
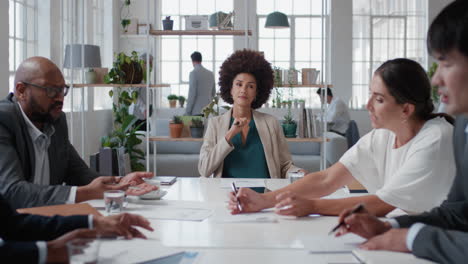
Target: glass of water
[
  {"x": 83, "y": 251},
  {"x": 114, "y": 201},
  {"x": 295, "y": 175}
]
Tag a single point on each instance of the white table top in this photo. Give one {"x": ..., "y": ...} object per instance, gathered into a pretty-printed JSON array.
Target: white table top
[{"x": 221, "y": 242}]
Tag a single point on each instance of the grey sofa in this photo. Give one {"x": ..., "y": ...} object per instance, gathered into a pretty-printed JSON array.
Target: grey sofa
[{"x": 181, "y": 158}]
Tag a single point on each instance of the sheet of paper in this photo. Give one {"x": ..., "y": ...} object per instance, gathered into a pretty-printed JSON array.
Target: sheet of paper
[
  {"x": 260, "y": 217},
  {"x": 243, "y": 183},
  {"x": 329, "y": 244},
  {"x": 174, "y": 213},
  {"x": 118, "y": 251},
  {"x": 387, "y": 257}
]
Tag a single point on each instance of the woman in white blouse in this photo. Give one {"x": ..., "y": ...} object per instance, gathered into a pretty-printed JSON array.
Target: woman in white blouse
[{"x": 405, "y": 162}]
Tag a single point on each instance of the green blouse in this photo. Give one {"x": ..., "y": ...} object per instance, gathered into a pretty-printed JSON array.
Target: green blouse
[{"x": 248, "y": 160}]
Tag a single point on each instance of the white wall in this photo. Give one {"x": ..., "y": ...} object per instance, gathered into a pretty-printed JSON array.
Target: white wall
[{"x": 3, "y": 49}]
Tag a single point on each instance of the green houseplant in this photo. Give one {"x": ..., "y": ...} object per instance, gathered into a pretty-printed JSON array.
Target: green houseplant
[
  {"x": 289, "y": 125},
  {"x": 175, "y": 126},
  {"x": 435, "y": 88},
  {"x": 126, "y": 70},
  {"x": 181, "y": 101},
  {"x": 124, "y": 14},
  {"x": 172, "y": 100},
  {"x": 125, "y": 133},
  {"x": 196, "y": 127}
]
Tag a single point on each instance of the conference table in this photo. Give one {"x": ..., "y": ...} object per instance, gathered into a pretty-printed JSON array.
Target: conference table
[{"x": 222, "y": 238}]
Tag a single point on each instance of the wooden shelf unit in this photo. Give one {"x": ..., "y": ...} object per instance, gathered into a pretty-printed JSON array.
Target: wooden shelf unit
[
  {"x": 80, "y": 85},
  {"x": 199, "y": 32},
  {"x": 306, "y": 85}
]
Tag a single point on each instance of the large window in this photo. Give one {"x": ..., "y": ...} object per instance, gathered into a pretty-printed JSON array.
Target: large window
[
  {"x": 299, "y": 46},
  {"x": 176, "y": 50},
  {"x": 72, "y": 18},
  {"x": 382, "y": 30},
  {"x": 22, "y": 33}
]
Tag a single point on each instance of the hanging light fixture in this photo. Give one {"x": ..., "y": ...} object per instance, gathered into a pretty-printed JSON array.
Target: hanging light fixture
[{"x": 277, "y": 20}]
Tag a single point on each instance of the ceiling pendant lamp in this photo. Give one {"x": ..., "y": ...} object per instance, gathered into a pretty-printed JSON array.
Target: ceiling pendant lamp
[{"x": 277, "y": 20}]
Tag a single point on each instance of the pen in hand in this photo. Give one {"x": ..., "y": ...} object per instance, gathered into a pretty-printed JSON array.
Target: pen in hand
[
  {"x": 357, "y": 209},
  {"x": 234, "y": 189}
]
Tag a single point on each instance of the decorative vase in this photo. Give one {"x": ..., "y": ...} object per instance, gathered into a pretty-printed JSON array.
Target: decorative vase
[
  {"x": 173, "y": 103},
  {"x": 289, "y": 130},
  {"x": 175, "y": 130},
  {"x": 168, "y": 24},
  {"x": 181, "y": 103},
  {"x": 196, "y": 132}
]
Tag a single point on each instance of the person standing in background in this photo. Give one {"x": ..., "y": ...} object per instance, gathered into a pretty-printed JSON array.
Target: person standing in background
[{"x": 201, "y": 86}]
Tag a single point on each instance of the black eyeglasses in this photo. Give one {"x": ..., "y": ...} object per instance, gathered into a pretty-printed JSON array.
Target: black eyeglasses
[{"x": 52, "y": 92}]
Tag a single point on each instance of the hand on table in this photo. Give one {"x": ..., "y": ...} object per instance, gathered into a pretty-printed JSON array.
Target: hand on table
[
  {"x": 289, "y": 203},
  {"x": 363, "y": 224},
  {"x": 121, "y": 225},
  {"x": 392, "y": 240},
  {"x": 251, "y": 201},
  {"x": 136, "y": 179}
]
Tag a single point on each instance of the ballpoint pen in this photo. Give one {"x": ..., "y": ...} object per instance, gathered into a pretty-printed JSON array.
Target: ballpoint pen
[
  {"x": 234, "y": 189},
  {"x": 357, "y": 209}
]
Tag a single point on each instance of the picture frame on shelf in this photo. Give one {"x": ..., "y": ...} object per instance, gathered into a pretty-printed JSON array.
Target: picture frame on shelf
[{"x": 143, "y": 29}]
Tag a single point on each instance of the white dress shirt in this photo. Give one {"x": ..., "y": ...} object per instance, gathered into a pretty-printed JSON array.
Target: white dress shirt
[
  {"x": 338, "y": 113},
  {"x": 41, "y": 143}
]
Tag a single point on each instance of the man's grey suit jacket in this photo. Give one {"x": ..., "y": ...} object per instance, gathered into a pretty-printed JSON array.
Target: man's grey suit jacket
[
  {"x": 445, "y": 238},
  {"x": 201, "y": 90},
  {"x": 17, "y": 161}
]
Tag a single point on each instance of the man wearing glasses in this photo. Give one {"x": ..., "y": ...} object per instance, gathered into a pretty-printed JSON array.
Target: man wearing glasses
[{"x": 36, "y": 155}]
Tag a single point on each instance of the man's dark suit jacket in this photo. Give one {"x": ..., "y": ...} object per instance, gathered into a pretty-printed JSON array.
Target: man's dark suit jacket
[
  {"x": 20, "y": 231},
  {"x": 17, "y": 161},
  {"x": 445, "y": 238}
]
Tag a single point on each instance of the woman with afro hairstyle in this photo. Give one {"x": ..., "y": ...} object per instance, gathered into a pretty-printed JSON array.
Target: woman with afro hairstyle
[{"x": 244, "y": 143}]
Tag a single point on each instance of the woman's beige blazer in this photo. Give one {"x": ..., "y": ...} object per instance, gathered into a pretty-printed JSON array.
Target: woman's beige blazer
[{"x": 215, "y": 147}]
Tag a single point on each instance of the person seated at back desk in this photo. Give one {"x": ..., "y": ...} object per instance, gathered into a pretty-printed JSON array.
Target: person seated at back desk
[
  {"x": 399, "y": 162},
  {"x": 27, "y": 238},
  {"x": 337, "y": 114},
  {"x": 37, "y": 157},
  {"x": 244, "y": 143}
]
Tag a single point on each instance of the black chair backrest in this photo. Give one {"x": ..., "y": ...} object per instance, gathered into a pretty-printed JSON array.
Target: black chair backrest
[{"x": 352, "y": 133}]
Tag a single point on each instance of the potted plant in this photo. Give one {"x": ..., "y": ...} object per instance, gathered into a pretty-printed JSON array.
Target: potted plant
[
  {"x": 125, "y": 134},
  {"x": 175, "y": 126},
  {"x": 289, "y": 125},
  {"x": 196, "y": 127},
  {"x": 90, "y": 76},
  {"x": 181, "y": 101},
  {"x": 172, "y": 100},
  {"x": 124, "y": 14},
  {"x": 301, "y": 103},
  {"x": 126, "y": 70},
  {"x": 168, "y": 23}
]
